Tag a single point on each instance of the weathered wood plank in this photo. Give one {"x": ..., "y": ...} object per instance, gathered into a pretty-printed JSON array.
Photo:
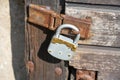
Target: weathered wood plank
[
  {"x": 37, "y": 41},
  {"x": 105, "y": 29},
  {"x": 105, "y": 60},
  {"x": 106, "y": 2}
]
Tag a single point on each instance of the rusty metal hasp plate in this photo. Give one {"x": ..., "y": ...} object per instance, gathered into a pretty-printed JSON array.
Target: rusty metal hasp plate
[
  {"x": 85, "y": 75},
  {"x": 43, "y": 16}
]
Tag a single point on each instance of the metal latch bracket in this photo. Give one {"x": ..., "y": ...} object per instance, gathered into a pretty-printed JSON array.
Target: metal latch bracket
[{"x": 43, "y": 16}]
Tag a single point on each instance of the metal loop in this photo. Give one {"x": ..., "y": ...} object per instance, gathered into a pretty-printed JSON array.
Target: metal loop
[{"x": 68, "y": 26}]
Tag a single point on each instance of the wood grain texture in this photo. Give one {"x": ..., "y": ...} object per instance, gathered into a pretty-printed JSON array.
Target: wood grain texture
[
  {"x": 104, "y": 60},
  {"x": 104, "y": 2},
  {"x": 105, "y": 29},
  {"x": 105, "y": 32},
  {"x": 37, "y": 40}
]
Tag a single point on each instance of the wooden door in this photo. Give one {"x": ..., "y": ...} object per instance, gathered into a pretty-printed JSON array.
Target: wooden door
[
  {"x": 41, "y": 65},
  {"x": 98, "y": 54}
]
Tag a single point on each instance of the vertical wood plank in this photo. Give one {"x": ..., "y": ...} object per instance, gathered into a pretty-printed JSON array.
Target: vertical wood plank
[{"x": 37, "y": 41}]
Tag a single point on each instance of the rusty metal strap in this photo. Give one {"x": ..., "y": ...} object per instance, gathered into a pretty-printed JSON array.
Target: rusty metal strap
[
  {"x": 45, "y": 17},
  {"x": 85, "y": 75}
]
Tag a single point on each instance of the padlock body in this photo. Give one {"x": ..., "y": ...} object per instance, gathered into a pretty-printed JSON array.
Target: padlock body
[{"x": 61, "y": 50}]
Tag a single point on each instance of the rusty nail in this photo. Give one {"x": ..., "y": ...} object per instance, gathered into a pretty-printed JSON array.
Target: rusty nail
[
  {"x": 30, "y": 66},
  {"x": 84, "y": 75},
  {"x": 58, "y": 71}
]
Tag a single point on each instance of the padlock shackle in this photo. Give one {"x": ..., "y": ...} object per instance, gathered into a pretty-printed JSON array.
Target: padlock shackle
[{"x": 68, "y": 26}]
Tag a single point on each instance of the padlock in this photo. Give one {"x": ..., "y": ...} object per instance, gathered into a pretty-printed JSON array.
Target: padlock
[{"x": 63, "y": 47}]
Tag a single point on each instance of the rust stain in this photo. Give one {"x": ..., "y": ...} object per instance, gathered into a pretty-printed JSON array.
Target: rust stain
[
  {"x": 40, "y": 16},
  {"x": 82, "y": 24}
]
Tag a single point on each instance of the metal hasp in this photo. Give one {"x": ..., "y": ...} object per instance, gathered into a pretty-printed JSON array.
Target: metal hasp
[
  {"x": 43, "y": 16},
  {"x": 63, "y": 47}
]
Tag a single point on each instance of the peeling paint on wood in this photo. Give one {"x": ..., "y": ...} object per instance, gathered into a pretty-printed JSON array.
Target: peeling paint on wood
[{"x": 105, "y": 27}]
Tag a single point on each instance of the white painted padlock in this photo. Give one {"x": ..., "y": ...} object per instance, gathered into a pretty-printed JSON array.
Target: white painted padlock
[{"x": 61, "y": 46}]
